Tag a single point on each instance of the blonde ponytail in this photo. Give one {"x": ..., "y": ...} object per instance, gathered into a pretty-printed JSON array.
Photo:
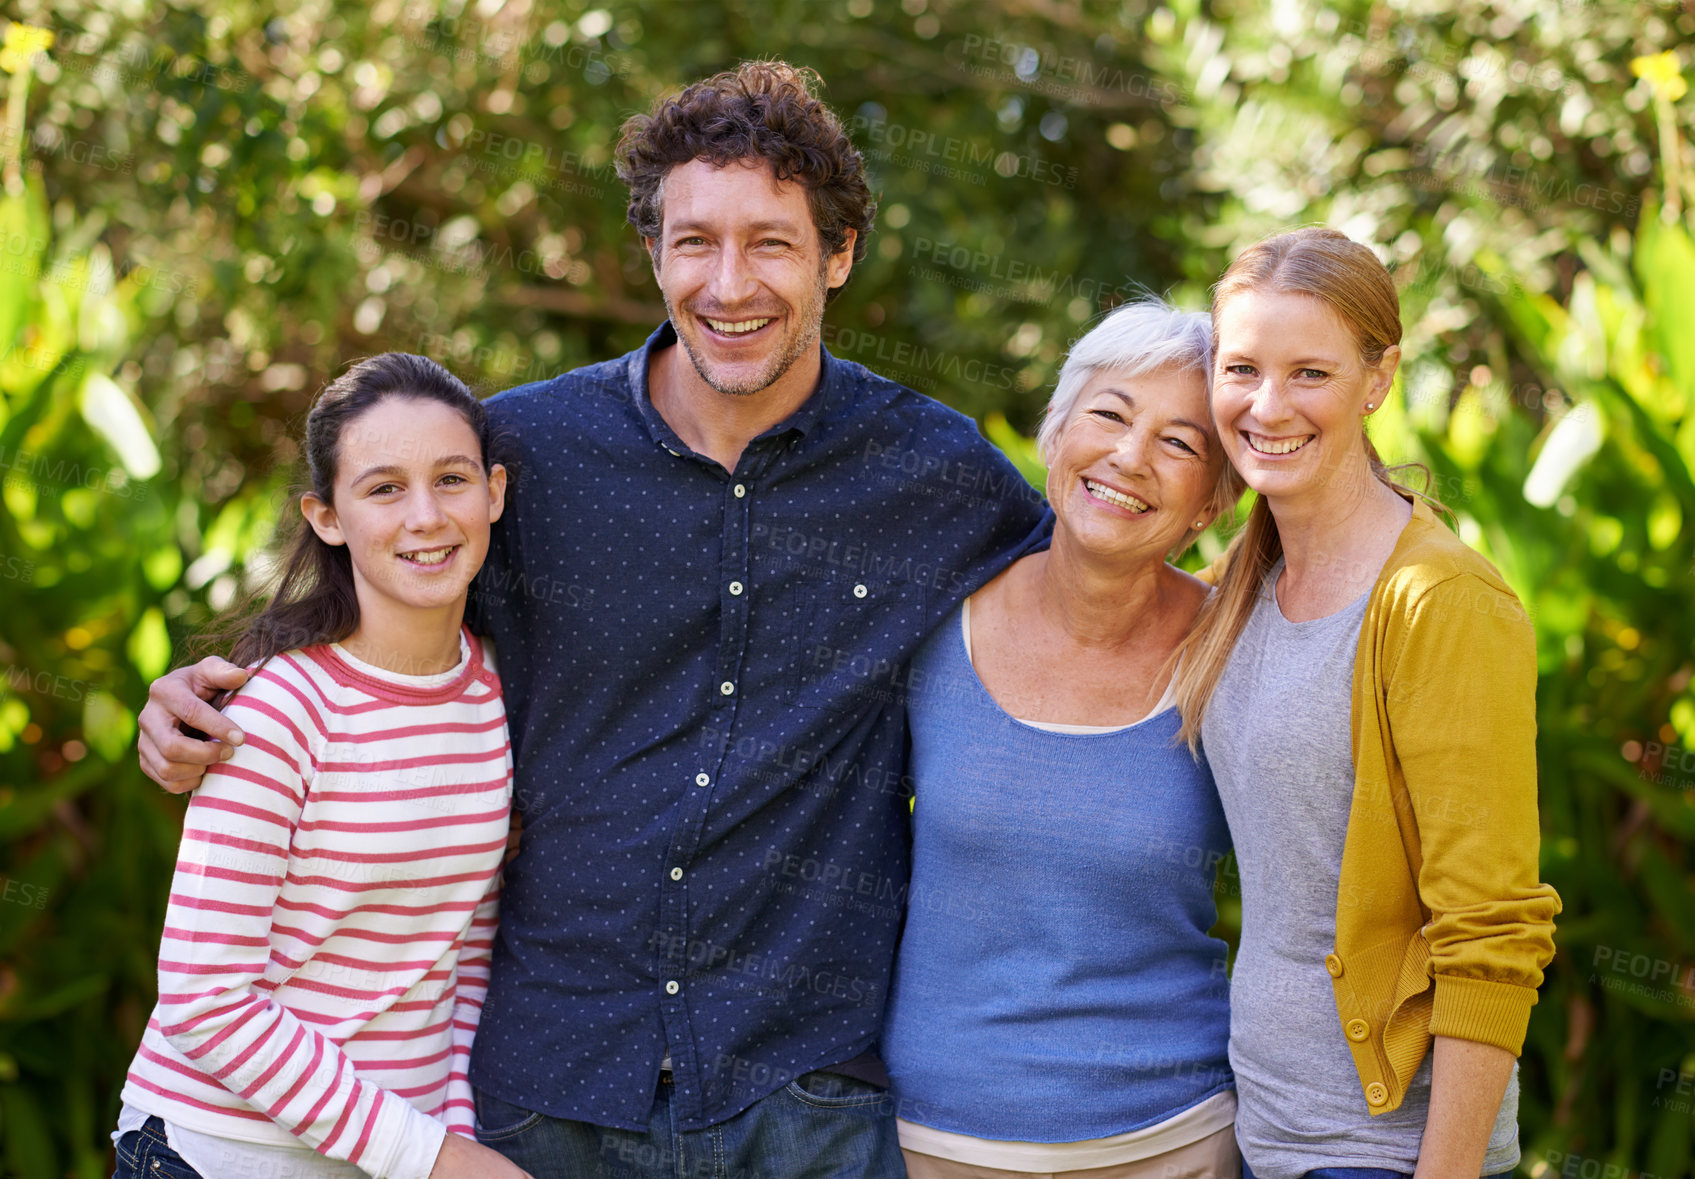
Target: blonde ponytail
[{"x": 1202, "y": 655}]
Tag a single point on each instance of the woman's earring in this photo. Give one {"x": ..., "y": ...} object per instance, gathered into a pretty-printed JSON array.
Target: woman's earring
[
  {"x": 1369, "y": 406},
  {"x": 1200, "y": 525}
]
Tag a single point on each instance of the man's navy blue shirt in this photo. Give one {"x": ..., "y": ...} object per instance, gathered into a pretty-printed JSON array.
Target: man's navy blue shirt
[{"x": 704, "y": 676}]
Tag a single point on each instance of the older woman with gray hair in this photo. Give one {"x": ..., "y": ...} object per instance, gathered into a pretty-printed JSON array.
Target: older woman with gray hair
[{"x": 1058, "y": 1007}]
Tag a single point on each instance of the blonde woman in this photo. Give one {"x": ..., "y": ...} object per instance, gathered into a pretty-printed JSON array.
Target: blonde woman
[{"x": 1364, "y": 687}]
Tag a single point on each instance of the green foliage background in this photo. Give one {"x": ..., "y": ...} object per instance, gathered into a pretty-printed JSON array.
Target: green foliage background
[{"x": 222, "y": 203}]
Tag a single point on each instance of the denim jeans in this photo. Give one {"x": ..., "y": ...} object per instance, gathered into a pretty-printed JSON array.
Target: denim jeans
[
  {"x": 144, "y": 1154},
  {"x": 819, "y": 1126},
  {"x": 1359, "y": 1173}
]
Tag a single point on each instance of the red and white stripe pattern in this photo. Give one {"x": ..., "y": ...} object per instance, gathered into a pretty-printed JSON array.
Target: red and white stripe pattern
[{"x": 326, "y": 949}]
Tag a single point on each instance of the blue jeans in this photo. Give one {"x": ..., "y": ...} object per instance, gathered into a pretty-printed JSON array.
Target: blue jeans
[
  {"x": 819, "y": 1126},
  {"x": 1358, "y": 1173},
  {"x": 144, "y": 1154}
]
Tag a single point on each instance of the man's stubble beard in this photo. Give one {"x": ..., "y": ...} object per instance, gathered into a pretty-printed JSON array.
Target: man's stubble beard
[{"x": 812, "y": 313}]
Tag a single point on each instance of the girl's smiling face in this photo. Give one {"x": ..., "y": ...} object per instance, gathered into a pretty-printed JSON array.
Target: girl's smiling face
[
  {"x": 412, "y": 504},
  {"x": 1290, "y": 392}
]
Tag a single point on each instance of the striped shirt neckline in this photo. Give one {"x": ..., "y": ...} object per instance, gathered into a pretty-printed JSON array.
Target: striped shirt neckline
[{"x": 396, "y": 687}]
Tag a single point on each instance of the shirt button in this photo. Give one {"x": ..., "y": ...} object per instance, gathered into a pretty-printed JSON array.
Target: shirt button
[
  {"x": 741, "y": 490},
  {"x": 727, "y": 688},
  {"x": 676, "y": 874},
  {"x": 672, "y": 987},
  {"x": 703, "y": 779},
  {"x": 859, "y": 591},
  {"x": 1334, "y": 965},
  {"x": 735, "y": 589},
  {"x": 1357, "y": 1030},
  {"x": 1376, "y": 1094}
]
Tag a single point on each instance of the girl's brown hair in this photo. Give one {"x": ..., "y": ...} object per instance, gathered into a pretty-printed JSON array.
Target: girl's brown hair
[{"x": 1326, "y": 265}]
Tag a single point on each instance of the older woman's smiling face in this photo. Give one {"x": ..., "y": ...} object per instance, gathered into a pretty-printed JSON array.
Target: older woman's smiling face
[{"x": 1137, "y": 464}]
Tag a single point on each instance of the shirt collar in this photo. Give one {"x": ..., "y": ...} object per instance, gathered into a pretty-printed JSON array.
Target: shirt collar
[{"x": 665, "y": 336}]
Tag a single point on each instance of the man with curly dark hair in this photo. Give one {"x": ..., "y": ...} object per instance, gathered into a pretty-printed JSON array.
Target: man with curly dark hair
[
  {"x": 704, "y": 597},
  {"x": 754, "y": 136}
]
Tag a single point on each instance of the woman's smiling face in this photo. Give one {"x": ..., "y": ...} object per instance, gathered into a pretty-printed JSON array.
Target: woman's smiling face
[
  {"x": 1289, "y": 394},
  {"x": 1137, "y": 464}
]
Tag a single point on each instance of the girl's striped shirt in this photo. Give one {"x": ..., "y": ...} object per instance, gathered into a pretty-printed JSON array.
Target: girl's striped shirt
[{"x": 326, "y": 948}]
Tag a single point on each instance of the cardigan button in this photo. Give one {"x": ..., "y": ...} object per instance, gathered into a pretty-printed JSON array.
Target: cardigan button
[
  {"x": 1358, "y": 1030},
  {"x": 1334, "y": 965},
  {"x": 1376, "y": 1094}
]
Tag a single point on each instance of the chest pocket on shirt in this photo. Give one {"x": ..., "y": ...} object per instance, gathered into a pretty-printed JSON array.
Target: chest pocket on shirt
[{"x": 851, "y": 636}]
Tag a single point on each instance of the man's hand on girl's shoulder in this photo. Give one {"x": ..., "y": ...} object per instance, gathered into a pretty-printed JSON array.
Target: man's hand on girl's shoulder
[{"x": 182, "y": 734}]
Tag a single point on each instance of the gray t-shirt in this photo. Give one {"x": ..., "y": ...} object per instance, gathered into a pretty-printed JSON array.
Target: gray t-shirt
[{"x": 1277, "y": 736}]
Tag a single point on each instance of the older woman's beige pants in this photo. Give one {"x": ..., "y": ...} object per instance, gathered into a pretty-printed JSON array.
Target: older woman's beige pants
[{"x": 1213, "y": 1157}]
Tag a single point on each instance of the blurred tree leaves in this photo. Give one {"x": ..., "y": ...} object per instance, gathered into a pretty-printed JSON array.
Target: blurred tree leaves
[
  {"x": 86, "y": 844},
  {"x": 1586, "y": 521}
]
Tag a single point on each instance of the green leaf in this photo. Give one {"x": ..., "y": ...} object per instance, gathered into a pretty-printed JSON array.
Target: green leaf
[
  {"x": 23, "y": 257},
  {"x": 60, "y": 998},
  {"x": 29, "y": 1151},
  {"x": 14, "y": 715},
  {"x": 23, "y": 812},
  {"x": 1673, "y": 469},
  {"x": 108, "y": 726},
  {"x": 162, "y": 567},
  {"x": 116, "y": 417},
  {"x": 1665, "y": 261},
  {"x": 1018, "y": 448},
  {"x": 1570, "y": 444},
  {"x": 1672, "y": 898},
  {"x": 149, "y": 646},
  {"x": 28, "y": 888}
]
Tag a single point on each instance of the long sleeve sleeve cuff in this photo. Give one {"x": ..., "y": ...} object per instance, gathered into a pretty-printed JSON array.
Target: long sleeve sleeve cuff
[
  {"x": 1482, "y": 1010},
  {"x": 404, "y": 1143}
]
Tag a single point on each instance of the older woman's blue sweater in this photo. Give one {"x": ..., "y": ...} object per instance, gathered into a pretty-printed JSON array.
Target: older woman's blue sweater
[{"x": 1055, "y": 980}]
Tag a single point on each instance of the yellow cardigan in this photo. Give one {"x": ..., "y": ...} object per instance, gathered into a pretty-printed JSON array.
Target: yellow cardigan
[{"x": 1442, "y": 924}]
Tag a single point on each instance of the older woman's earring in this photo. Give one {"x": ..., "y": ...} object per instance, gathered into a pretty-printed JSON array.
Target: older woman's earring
[
  {"x": 1200, "y": 525},
  {"x": 1369, "y": 406}
]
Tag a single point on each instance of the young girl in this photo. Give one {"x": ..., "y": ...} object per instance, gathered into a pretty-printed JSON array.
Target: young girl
[
  {"x": 1364, "y": 685},
  {"x": 326, "y": 948}
]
